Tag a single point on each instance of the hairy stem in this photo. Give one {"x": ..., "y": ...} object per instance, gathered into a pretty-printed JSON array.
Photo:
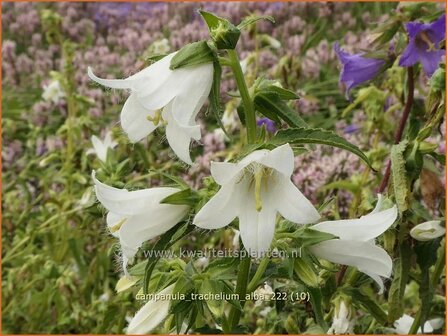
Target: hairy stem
[
  {"x": 258, "y": 275},
  {"x": 241, "y": 290},
  {"x": 400, "y": 129}
]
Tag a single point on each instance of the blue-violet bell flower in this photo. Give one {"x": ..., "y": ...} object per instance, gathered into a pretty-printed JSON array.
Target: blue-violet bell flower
[
  {"x": 356, "y": 69},
  {"x": 423, "y": 45},
  {"x": 269, "y": 124}
]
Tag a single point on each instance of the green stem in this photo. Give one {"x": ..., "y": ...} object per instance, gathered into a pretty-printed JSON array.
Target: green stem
[
  {"x": 241, "y": 290},
  {"x": 415, "y": 326},
  {"x": 250, "y": 117},
  {"x": 254, "y": 283}
]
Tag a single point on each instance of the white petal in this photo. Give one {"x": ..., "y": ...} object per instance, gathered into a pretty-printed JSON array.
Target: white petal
[
  {"x": 179, "y": 137},
  {"x": 363, "y": 255},
  {"x": 153, "y": 222},
  {"x": 100, "y": 149},
  {"x": 436, "y": 323},
  {"x": 134, "y": 119},
  {"x": 281, "y": 159},
  {"x": 379, "y": 204},
  {"x": 220, "y": 210},
  {"x": 256, "y": 228},
  {"x": 192, "y": 83},
  {"x": 428, "y": 231},
  {"x": 189, "y": 102},
  {"x": 127, "y": 203},
  {"x": 150, "y": 315},
  {"x": 377, "y": 279},
  {"x": 113, "y": 220},
  {"x": 224, "y": 172},
  {"x": 291, "y": 203},
  {"x": 111, "y": 83},
  {"x": 363, "y": 229}
]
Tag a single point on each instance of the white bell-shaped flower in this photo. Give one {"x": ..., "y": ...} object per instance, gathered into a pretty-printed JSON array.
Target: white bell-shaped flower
[
  {"x": 152, "y": 313},
  {"x": 100, "y": 148},
  {"x": 137, "y": 216},
  {"x": 161, "y": 96},
  {"x": 356, "y": 246},
  {"x": 255, "y": 190}
]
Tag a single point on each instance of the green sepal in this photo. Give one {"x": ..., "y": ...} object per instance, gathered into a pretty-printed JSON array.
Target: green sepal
[
  {"x": 184, "y": 197},
  {"x": 223, "y": 33},
  {"x": 193, "y": 54}
]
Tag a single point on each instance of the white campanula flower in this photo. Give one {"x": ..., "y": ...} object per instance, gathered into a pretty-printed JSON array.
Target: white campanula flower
[
  {"x": 403, "y": 325},
  {"x": 100, "y": 148},
  {"x": 255, "y": 190},
  {"x": 53, "y": 92},
  {"x": 137, "y": 216},
  {"x": 160, "y": 96},
  {"x": 355, "y": 245},
  {"x": 343, "y": 321},
  {"x": 428, "y": 230},
  {"x": 152, "y": 313}
]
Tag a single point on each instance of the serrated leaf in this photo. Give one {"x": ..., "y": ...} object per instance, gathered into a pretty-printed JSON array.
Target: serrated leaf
[
  {"x": 271, "y": 104},
  {"x": 399, "y": 174},
  {"x": 368, "y": 303},
  {"x": 193, "y": 54},
  {"x": 317, "y": 136}
]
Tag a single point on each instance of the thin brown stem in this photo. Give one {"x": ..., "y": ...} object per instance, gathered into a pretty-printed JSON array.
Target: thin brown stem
[{"x": 401, "y": 128}]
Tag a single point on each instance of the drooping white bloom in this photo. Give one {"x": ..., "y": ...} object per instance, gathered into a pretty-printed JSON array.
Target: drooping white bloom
[
  {"x": 151, "y": 314},
  {"x": 137, "y": 216},
  {"x": 403, "y": 325},
  {"x": 100, "y": 148},
  {"x": 53, "y": 92},
  {"x": 428, "y": 230},
  {"x": 160, "y": 96},
  {"x": 343, "y": 321},
  {"x": 356, "y": 246},
  {"x": 255, "y": 190}
]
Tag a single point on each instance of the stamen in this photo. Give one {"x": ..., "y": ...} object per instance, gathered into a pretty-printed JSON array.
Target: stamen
[
  {"x": 116, "y": 227},
  {"x": 424, "y": 37},
  {"x": 157, "y": 118}
]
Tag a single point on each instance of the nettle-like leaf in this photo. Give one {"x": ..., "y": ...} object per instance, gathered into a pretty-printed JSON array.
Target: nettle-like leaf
[
  {"x": 317, "y": 136},
  {"x": 399, "y": 174}
]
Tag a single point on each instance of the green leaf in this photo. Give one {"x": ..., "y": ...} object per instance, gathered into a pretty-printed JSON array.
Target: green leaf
[
  {"x": 212, "y": 287},
  {"x": 193, "y": 54},
  {"x": 368, "y": 303},
  {"x": 271, "y": 104},
  {"x": 253, "y": 19},
  {"x": 165, "y": 241},
  {"x": 399, "y": 174},
  {"x": 218, "y": 268},
  {"x": 184, "y": 197},
  {"x": 317, "y": 136}
]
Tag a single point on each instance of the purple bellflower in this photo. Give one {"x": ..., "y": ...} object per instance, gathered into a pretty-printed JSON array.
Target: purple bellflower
[
  {"x": 356, "y": 69},
  {"x": 424, "y": 45},
  {"x": 269, "y": 124}
]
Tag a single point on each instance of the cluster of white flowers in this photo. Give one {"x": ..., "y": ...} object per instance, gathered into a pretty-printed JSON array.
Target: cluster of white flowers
[{"x": 255, "y": 189}]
